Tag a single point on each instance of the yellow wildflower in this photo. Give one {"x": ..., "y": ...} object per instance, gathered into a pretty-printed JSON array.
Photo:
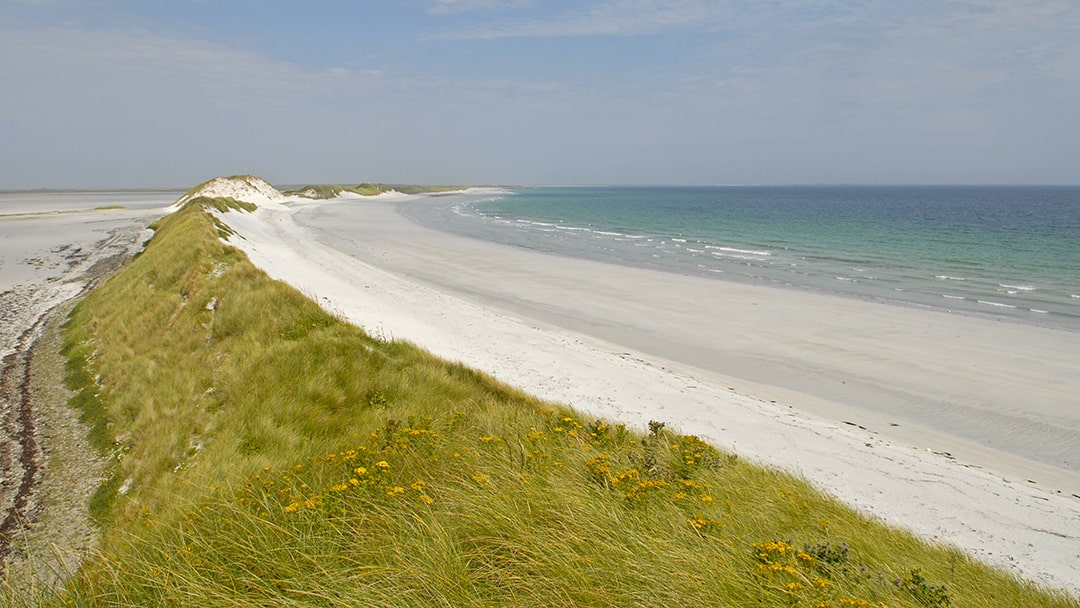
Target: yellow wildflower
[
  {"x": 642, "y": 489},
  {"x": 418, "y": 432},
  {"x": 600, "y": 466}
]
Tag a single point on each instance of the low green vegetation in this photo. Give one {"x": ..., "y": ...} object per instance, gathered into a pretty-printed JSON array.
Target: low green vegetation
[
  {"x": 366, "y": 189},
  {"x": 266, "y": 453},
  {"x": 426, "y": 189},
  {"x": 318, "y": 192},
  {"x": 109, "y": 207}
]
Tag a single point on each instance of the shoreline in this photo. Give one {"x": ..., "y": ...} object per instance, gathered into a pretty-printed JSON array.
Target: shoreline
[
  {"x": 391, "y": 276},
  {"x": 51, "y": 257},
  {"x": 841, "y": 358},
  {"x": 981, "y": 294}
]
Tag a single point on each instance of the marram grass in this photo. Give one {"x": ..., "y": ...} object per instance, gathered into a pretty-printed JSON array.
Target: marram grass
[{"x": 266, "y": 453}]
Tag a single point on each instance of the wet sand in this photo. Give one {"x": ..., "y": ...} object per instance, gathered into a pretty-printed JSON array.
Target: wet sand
[{"x": 53, "y": 247}]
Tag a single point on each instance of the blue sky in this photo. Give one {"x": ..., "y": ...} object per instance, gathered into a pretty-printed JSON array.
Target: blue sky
[{"x": 168, "y": 93}]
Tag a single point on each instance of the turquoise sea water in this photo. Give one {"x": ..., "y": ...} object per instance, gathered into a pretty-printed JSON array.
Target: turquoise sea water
[{"x": 1001, "y": 252}]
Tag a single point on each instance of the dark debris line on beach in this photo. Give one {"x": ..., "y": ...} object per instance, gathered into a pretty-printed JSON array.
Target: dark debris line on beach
[{"x": 20, "y": 455}]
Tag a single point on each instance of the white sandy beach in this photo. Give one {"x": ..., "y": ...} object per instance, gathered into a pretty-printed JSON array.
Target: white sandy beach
[{"x": 791, "y": 379}]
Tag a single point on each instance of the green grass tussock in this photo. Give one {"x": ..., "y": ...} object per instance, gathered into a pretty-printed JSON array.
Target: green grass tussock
[{"x": 265, "y": 453}]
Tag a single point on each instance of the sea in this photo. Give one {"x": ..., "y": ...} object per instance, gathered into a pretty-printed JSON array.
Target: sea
[{"x": 1010, "y": 253}]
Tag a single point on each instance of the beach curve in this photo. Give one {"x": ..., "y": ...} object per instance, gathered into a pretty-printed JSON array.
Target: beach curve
[{"x": 365, "y": 278}]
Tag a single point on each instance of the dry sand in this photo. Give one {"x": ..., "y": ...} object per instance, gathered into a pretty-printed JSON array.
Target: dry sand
[{"x": 806, "y": 382}]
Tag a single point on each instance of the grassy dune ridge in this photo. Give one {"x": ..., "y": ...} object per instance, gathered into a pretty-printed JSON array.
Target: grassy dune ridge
[{"x": 266, "y": 453}]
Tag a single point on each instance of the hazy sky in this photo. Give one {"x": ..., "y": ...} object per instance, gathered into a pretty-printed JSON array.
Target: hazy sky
[{"x": 118, "y": 93}]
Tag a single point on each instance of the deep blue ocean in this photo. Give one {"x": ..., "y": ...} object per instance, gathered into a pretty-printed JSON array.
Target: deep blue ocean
[{"x": 994, "y": 251}]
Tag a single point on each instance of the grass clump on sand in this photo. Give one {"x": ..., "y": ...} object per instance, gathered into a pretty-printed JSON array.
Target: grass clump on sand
[{"x": 265, "y": 453}]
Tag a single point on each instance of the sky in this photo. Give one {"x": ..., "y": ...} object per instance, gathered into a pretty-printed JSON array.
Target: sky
[{"x": 170, "y": 93}]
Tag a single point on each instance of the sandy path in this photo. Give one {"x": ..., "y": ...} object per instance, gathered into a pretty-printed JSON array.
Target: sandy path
[{"x": 498, "y": 309}]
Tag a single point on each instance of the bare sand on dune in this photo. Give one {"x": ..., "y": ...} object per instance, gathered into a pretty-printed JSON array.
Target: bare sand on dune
[{"x": 801, "y": 381}]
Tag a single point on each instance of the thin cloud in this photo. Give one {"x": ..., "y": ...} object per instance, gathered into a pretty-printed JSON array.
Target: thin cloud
[
  {"x": 807, "y": 90},
  {"x": 88, "y": 60},
  {"x": 443, "y": 7},
  {"x": 611, "y": 18},
  {"x": 648, "y": 17}
]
